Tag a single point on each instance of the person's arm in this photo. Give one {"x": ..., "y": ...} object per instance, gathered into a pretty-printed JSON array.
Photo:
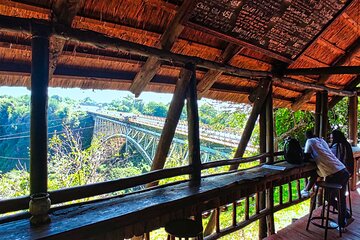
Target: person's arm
[{"x": 307, "y": 151}]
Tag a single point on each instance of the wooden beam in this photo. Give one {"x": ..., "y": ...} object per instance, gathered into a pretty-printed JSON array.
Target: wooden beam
[
  {"x": 353, "y": 84},
  {"x": 101, "y": 41},
  {"x": 262, "y": 195},
  {"x": 211, "y": 76},
  {"x": 63, "y": 12},
  {"x": 98, "y": 40},
  {"x": 302, "y": 100},
  {"x": 269, "y": 112},
  {"x": 172, "y": 120},
  {"x": 167, "y": 40},
  {"x": 324, "y": 115},
  {"x": 314, "y": 86},
  {"x": 353, "y": 120},
  {"x": 144, "y": 76},
  {"x": 264, "y": 85},
  {"x": 342, "y": 60},
  {"x": 38, "y": 116},
  {"x": 323, "y": 71},
  {"x": 193, "y": 127}
]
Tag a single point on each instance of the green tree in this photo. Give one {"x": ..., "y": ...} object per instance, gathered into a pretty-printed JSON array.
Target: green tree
[{"x": 156, "y": 109}]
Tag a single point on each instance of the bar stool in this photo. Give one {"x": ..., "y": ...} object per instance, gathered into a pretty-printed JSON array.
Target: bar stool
[
  {"x": 328, "y": 188},
  {"x": 349, "y": 194},
  {"x": 349, "y": 198},
  {"x": 184, "y": 228}
]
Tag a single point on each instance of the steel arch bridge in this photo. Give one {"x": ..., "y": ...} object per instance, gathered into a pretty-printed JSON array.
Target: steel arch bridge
[{"x": 145, "y": 141}]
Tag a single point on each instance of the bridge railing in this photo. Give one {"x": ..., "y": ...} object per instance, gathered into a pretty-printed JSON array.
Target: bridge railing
[{"x": 95, "y": 189}]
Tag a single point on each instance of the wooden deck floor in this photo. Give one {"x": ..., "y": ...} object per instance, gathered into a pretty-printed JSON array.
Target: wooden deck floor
[{"x": 297, "y": 230}]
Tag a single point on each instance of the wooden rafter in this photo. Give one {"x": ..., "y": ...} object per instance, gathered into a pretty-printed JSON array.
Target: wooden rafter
[
  {"x": 313, "y": 61},
  {"x": 343, "y": 59},
  {"x": 95, "y": 39},
  {"x": 351, "y": 22},
  {"x": 324, "y": 71},
  {"x": 350, "y": 86},
  {"x": 167, "y": 40},
  {"x": 211, "y": 76},
  {"x": 326, "y": 43},
  {"x": 63, "y": 12}
]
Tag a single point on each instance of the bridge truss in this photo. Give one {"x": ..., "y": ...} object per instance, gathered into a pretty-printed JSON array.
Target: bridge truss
[{"x": 145, "y": 141}]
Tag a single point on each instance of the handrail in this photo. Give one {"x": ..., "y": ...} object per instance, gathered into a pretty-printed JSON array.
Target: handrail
[
  {"x": 233, "y": 161},
  {"x": 90, "y": 190}
]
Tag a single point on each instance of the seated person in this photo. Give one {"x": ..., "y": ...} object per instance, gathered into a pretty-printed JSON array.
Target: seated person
[
  {"x": 328, "y": 166},
  {"x": 342, "y": 150}
]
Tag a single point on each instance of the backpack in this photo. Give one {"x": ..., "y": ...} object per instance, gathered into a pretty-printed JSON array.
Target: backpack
[{"x": 293, "y": 152}]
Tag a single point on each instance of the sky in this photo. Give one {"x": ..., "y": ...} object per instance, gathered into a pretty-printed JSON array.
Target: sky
[{"x": 100, "y": 96}]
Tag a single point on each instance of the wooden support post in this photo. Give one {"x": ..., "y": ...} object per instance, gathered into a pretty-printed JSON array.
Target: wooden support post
[
  {"x": 270, "y": 149},
  {"x": 324, "y": 115},
  {"x": 193, "y": 126},
  {"x": 317, "y": 114},
  {"x": 172, "y": 119},
  {"x": 262, "y": 198},
  {"x": 39, "y": 100},
  {"x": 353, "y": 120},
  {"x": 262, "y": 91},
  {"x": 269, "y": 125}
]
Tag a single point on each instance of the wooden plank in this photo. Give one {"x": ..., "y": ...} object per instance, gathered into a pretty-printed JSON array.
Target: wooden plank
[{"x": 152, "y": 65}]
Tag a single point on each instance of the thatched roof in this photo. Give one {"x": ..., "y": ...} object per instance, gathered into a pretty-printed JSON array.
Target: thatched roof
[{"x": 255, "y": 35}]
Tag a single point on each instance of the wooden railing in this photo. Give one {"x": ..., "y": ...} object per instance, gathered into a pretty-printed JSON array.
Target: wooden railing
[
  {"x": 251, "y": 215},
  {"x": 91, "y": 190},
  {"x": 242, "y": 190}
]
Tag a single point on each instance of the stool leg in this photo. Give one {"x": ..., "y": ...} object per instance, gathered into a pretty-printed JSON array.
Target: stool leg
[
  {"x": 349, "y": 192},
  {"x": 340, "y": 213},
  {"x": 323, "y": 206},
  {"x": 327, "y": 219},
  {"x": 312, "y": 207}
]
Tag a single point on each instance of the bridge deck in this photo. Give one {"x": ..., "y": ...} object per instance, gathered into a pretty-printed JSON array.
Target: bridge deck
[{"x": 297, "y": 230}]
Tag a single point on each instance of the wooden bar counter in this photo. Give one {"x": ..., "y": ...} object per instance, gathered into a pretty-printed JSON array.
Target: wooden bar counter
[{"x": 138, "y": 213}]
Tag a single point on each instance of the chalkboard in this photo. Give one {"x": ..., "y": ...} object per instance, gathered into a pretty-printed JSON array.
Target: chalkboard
[{"x": 284, "y": 27}]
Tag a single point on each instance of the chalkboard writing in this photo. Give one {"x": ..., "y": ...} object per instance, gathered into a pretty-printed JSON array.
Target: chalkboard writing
[{"x": 281, "y": 26}]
